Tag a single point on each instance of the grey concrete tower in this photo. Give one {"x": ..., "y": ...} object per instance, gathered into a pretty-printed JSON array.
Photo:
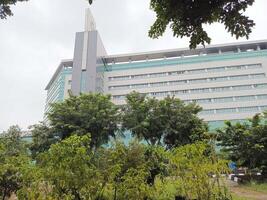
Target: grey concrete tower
[{"x": 88, "y": 52}]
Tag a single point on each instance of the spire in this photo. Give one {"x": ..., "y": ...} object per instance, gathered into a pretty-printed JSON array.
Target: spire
[{"x": 89, "y": 21}]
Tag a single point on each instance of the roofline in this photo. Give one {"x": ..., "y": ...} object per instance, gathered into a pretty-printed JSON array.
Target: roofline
[
  {"x": 179, "y": 52},
  {"x": 60, "y": 66}
]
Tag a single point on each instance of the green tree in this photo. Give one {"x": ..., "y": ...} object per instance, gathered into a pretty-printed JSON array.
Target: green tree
[
  {"x": 13, "y": 158},
  {"x": 84, "y": 114},
  {"x": 43, "y": 137},
  {"x": 246, "y": 143},
  {"x": 5, "y": 9},
  {"x": 197, "y": 172},
  {"x": 169, "y": 120},
  {"x": 68, "y": 169}
]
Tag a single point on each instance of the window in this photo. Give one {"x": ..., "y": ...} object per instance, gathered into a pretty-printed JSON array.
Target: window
[
  {"x": 178, "y": 82},
  {"x": 225, "y": 110},
  {"x": 257, "y": 76},
  {"x": 242, "y": 87},
  {"x": 159, "y": 94},
  {"x": 139, "y": 76},
  {"x": 198, "y": 80},
  {"x": 179, "y": 92},
  {"x": 220, "y": 89},
  {"x": 202, "y": 101},
  {"x": 140, "y": 85},
  {"x": 200, "y": 90},
  {"x": 259, "y": 86},
  {"x": 206, "y": 112},
  {"x": 263, "y": 96},
  {"x": 154, "y": 75},
  {"x": 242, "y": 77},
  {"x": 119, "y": 78},
  {"x": 119, "y": 87},
  {"x": 196, "y": 71},
  {"x": 253, "y": 66},
  {"x": 248, "y": 109},
  {"x": 245, "y": 98},
  {"x": 223, "y": 100},
  {"x": 217, "y": 69},
  {"x": 158, "y": 84},
  {"x": 224, "y": 78}
]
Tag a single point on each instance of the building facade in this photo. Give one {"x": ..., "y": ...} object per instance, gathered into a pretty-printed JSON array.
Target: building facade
[{"x": 229, "y": 80}]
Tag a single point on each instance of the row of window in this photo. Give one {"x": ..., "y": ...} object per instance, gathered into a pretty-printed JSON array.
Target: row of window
[
  {"x": 193, "y": 71},
  {"x": 234, "y": 110},
  {"x": 228, "y": 99},
  {"x": 189, "y": 81},
  {"x": 200, "y": 90}
]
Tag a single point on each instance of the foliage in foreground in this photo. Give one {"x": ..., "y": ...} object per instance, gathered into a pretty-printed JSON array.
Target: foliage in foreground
[
  {"x": 246, "y": 143},
  {"x": 70, "y": 170}
]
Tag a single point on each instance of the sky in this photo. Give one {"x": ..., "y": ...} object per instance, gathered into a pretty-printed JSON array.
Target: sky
[{"x": 41, "y": 33}]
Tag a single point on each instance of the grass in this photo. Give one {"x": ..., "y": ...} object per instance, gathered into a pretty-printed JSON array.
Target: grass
[
  {"x": 258, "y": 187},
  {"x": 235, "y": 197}
]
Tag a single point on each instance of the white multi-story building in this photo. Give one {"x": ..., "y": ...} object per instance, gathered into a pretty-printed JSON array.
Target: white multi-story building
[{"x": 228, "y": 80}]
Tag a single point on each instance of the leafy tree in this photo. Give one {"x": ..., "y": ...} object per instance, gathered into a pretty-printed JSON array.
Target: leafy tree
[
  {"x": 13, "y": 158},
  {"x": 246, "y": 143},
  {"x": 197, "y": 172},
  {"x": 5, "y": 10},
  {"x": 143, "y": 117},
  {"x": 168, "y": 120},
  {"x": 68, "y": 169},
  {"x": 187, "y": 17},
  {"x": 43, "y": 137},
  {"x": 84, "y": 114}
]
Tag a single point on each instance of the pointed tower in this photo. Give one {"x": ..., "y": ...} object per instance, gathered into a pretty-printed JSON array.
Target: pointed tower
[{"x": 87, "y": 53}]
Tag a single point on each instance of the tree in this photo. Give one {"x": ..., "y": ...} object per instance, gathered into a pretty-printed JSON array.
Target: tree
[
  {"x": 43, "y": 137},
  {"x": 5, "y": 10},
  {"x": 187, "y": 17},
  {"x": 68, "y": 169},
  {"x": 246, "y": 143},
  {"x": 13, "y": 158},
  {"x": 197, "y": 172},
  {"x": 169, "y": 120},
  {"x": 84, "y": 114}
]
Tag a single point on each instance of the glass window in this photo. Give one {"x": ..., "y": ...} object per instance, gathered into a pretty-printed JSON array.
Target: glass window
[
  {"x": 196, "y": 71},
  {"x": 257, "y": 75},
  {"x": 224, "y": 78},
  {"x": 242, "y": 87},
  {"x": 206, "y": 112},
  {"x": 225, "y": 110},
  {"x": 245, "y": 98},
  {"x": 158, "y": 84},
  {"x": 200, "y": 90},
  {"x": 119, "y": 78},
  {"x": 178, "y": 82},
  {"x": 139, "y": 76},
  {"x": 248, "y": 109},
  {"x": 179, "y": 92},
  {"x": 140, "y": 85},
  {"x": 198, "y": 80},
  {"x": 223, "y": 100},
  {"x": 253, "y": 66},
  {"x": 202, "y": 101},
  {"x": 262, "y": 96},
  {"x": 119, "y": 87},
  {"x": 217, "y": 69},
  {"x": 158, "y": 75},
  {"x": 242, "y": 77},
  {"x": 259, "y": 86},
  {"x": 176, "y": 73},
  {"x": 220, "y": 89}
]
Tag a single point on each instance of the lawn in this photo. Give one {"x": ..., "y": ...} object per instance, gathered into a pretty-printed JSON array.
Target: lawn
[{"x": 258, "y": 187}]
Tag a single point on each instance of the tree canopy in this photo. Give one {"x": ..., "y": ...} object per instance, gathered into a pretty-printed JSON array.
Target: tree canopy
[
  {"x": 92, "y": 114},
  {"x": 169, "y": 122},
  {"x": 5, "y": 9},
  {"x": 246, "y": 143}
]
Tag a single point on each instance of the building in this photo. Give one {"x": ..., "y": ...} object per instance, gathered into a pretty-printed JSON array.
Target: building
[{"x": 228, "y": 80}]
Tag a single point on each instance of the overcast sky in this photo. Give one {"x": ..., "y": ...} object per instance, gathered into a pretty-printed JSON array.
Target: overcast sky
[{"x": 41, "y": 33}]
